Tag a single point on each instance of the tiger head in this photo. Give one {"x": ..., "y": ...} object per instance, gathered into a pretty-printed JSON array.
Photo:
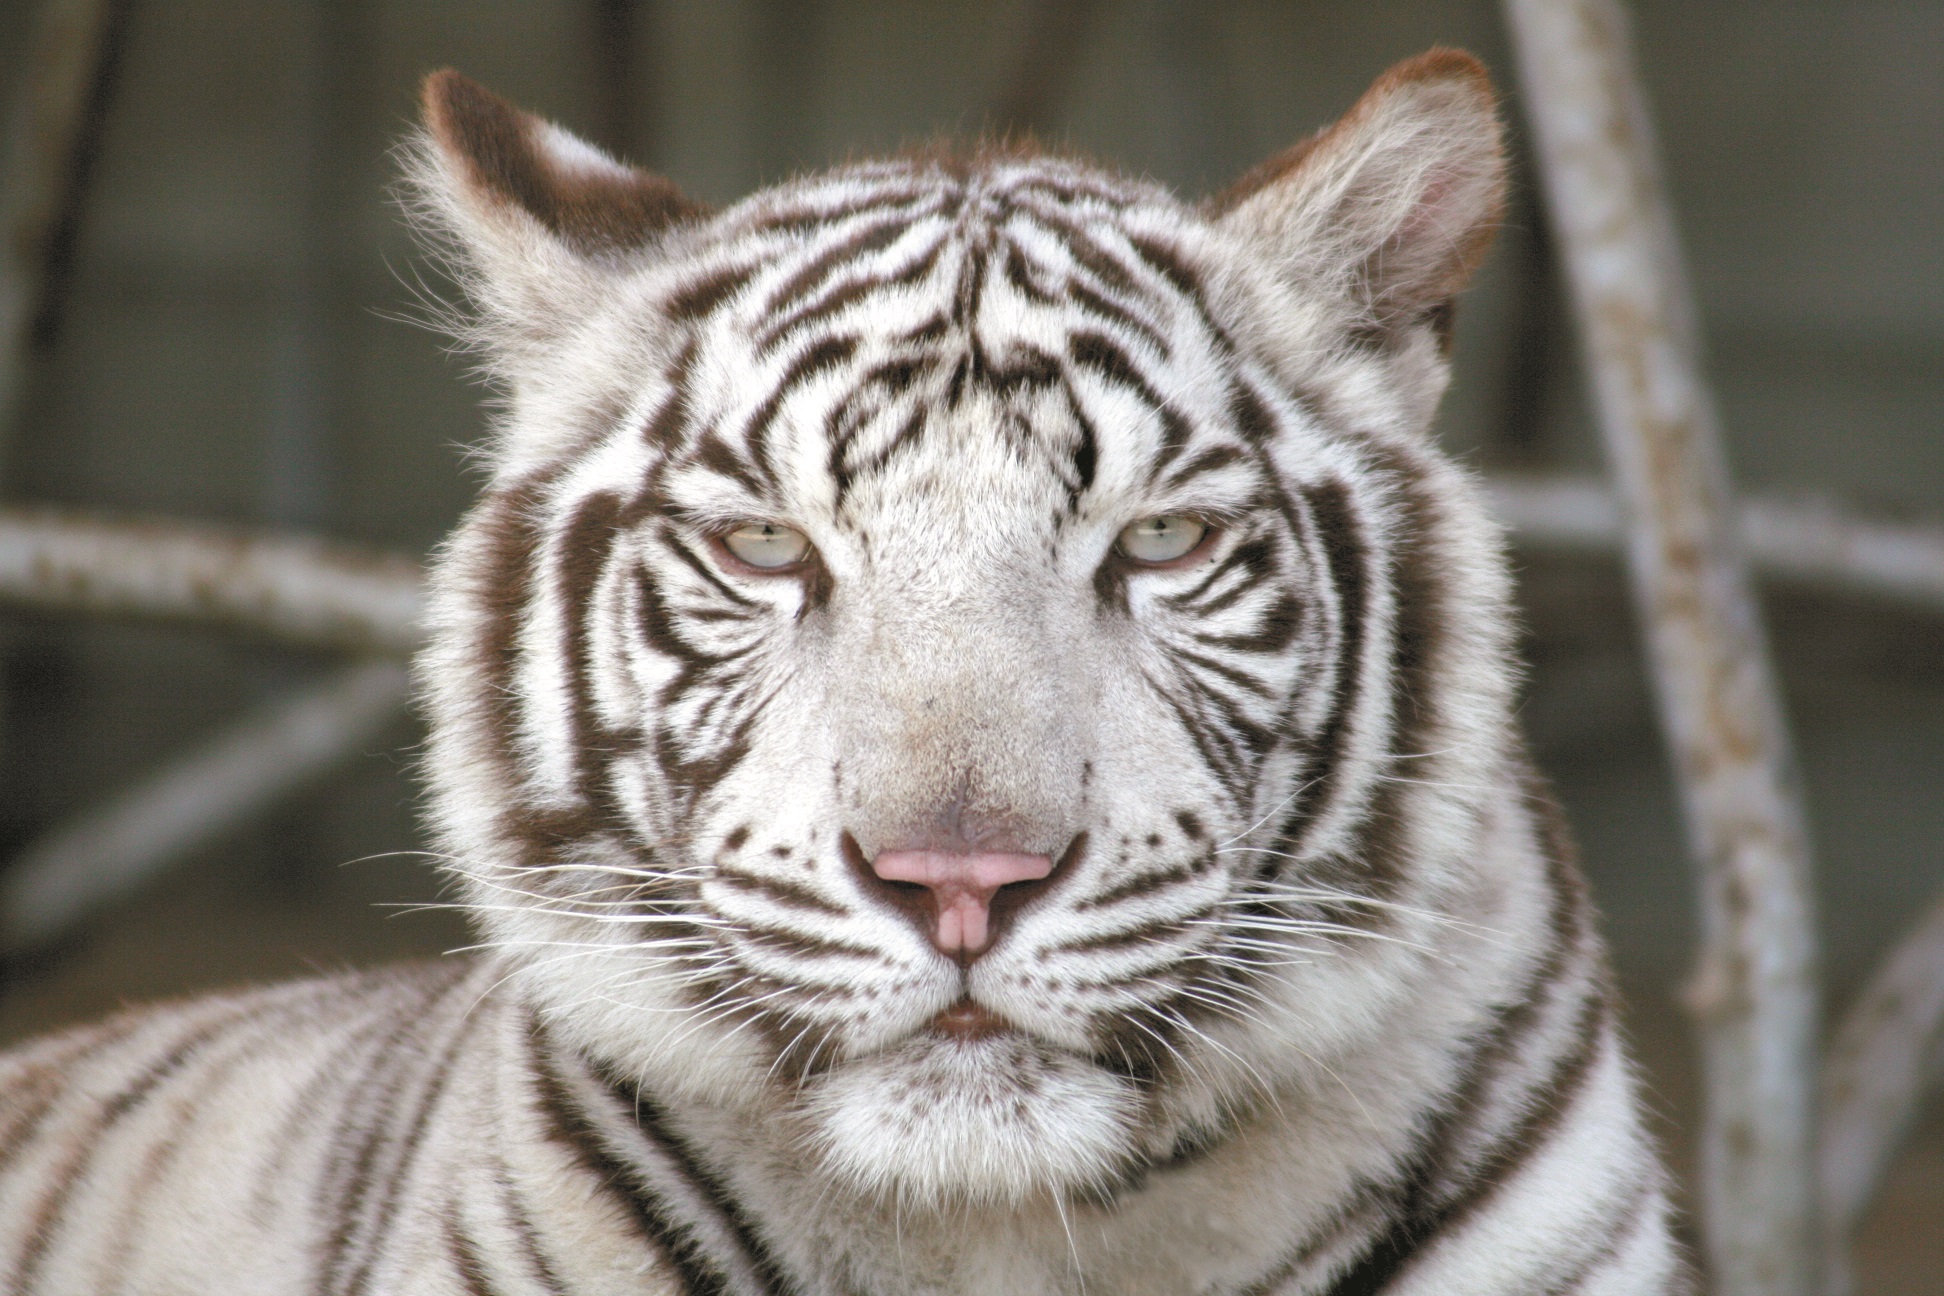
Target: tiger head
[{"x": 967, "y": 662}]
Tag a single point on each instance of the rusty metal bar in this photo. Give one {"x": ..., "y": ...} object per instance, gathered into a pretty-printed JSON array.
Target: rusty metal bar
[
  {"x": 1755, "y": 991},
  {"x": 1884, "y": 1058},
  {"x": 300, "y": 590},
  {"x": 1808, "y": 539},
  {"x": 199, "y": 798},
  {"x": 43, "y": 161}
]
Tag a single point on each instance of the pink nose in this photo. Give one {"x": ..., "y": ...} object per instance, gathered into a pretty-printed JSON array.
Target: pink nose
[{"x": 961, "y": 887}]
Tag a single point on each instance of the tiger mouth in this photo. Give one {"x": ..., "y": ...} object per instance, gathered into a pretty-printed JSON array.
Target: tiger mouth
[{"x": 968, "y": 1021}]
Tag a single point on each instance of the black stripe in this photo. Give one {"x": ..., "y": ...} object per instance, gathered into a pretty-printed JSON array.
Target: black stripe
[
  {"x": 359, "y": 1134},
  {"x": 1070, "y": 229},
  {"x": 570, "y": 1128},
  {"x": 1256, "y": 556},
  {"x": 843, "y": 474},
  {"x": 675, "y": 750},
  {"x": 705, "y": 572},
  {"x": 42, "y": 1228},
  {"x": 1071, "y": 189},
  {"x": 505, "y": 529},
  {"x": 718, "y": 456},
  {"x": 1232, "y": 675},
  {"x": 378, "y": 1209},
  {"x": 520, "y": 1220},
  {"x": 825, "y": 355},
  {"x": 349, "y": 1062},
  {"x": 1420, "y": 628},
  {"x": 586, "y": 545},
  {"x": 872, "y": 238},
  {"x": 1206, "y": 461},
  {"x": 1104, "y": 356},
  {"x": 1113, "y": 312},
  {"x": 1140, "y": 885},
  {"x": 1344, "y": 550},
  {"x": 137, "y": 1189},
  {"x": 1019, "y": 273},
  {"x": 701, "y": 298},
  {"x": 1169, "y": 264},
  {"x": 52, "y": 1072},
  {"x": 788, "y": 894},
  {"x": 847, "y": 294},
  {"x": 802, "y": 220},
  {"x": 467, "y": 1261},
  {"x": 1250, "y": 415},
  {"x": 1210, "y": 741},
  {"x": 653, "y": 1123},
  {"x": 1623, "y": 1222},
  {"x": 782, "y": 940},
  {"x": 1276, "y": 628},
  {"x": 1437, "y": 1196},
  {"x": 1086, "y": 451},
  {"x": 1416, "y": 1227}
]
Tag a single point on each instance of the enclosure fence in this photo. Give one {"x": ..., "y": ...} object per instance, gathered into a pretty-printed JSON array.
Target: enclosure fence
[{"x": 1797, "y": 1133}]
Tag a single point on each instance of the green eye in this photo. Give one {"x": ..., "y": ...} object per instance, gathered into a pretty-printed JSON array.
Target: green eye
[
  {"x": 1162, "y": 539},
  {"x": 767, "y": 545}
]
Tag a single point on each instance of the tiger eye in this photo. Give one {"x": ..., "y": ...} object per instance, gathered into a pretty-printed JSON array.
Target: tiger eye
[
  {"x": 767, "y": 546},
  {"x": 1162, "y": 539}
]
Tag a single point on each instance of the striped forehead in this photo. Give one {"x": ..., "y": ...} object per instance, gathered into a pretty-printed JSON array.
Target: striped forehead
[{"x": 1028, "y": 323}]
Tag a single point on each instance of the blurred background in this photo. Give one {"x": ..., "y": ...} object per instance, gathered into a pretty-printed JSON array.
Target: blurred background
[{"x": 222, "y": 339}]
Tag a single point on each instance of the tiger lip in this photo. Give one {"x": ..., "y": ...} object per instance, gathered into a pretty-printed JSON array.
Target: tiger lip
[{"x": 969, "y": 1021}]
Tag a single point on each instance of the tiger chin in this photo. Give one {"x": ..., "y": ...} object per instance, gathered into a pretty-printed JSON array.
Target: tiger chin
[{"x": 975, "y": 727}]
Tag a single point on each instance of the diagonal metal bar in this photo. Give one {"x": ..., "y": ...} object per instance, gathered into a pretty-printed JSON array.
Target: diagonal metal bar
[
  {"x": 215, "y": 789},
  {"x": 1884, "y": 1058},
  {"x": 1755, "y": 991},
  {"x": 44, "y": 156}
]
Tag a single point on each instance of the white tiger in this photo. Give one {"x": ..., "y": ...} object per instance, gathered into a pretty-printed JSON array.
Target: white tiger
[{"x": 977, "y": 728}]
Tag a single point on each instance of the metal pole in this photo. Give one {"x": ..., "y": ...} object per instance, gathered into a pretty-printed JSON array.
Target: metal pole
[
  {"x": 219, "y": 787},
  {"x": 1807, "y": 539},
  {"x": 43, "y": 161},
  {"x": 1755, "y": 990},
  {"x": 289, "y": 587},
  {"x": 1884, "y": 1058}
]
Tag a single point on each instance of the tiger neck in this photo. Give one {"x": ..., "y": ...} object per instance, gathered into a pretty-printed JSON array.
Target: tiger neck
[{"x": 725, "y": 1194}]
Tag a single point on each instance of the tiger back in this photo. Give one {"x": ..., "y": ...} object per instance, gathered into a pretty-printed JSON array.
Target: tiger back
[{"x": 975, "y": 727}]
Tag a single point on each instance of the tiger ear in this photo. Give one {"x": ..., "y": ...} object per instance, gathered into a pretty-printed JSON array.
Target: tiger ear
[
  {"x": 1388, "y": 212},
  {"x": 535, "y": 212}
]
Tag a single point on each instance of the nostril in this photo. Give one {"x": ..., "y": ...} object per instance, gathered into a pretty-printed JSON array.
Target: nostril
[{"x": 951, "y": 895}]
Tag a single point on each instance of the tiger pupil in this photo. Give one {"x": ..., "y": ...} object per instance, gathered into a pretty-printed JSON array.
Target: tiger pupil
[
  {"x": 767, "y": 545},
  {"x": 1162, "y": 539}
]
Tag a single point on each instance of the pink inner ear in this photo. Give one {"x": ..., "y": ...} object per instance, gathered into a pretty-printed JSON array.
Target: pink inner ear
[{"x": 962, "y": 887}]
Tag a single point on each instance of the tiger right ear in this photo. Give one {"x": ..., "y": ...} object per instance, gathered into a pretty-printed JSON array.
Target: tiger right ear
[
  {"x": 1381, "y": 218},
  {"x": 536, "y": 212}
]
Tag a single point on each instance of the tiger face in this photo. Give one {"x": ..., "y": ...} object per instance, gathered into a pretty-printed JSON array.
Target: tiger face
[{"x": 931, "y": 669}]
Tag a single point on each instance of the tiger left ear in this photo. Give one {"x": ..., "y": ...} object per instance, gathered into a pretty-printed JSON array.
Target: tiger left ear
[
  {"x": 1389, "y": 211},
  {"x": 535, "y": 212}
]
